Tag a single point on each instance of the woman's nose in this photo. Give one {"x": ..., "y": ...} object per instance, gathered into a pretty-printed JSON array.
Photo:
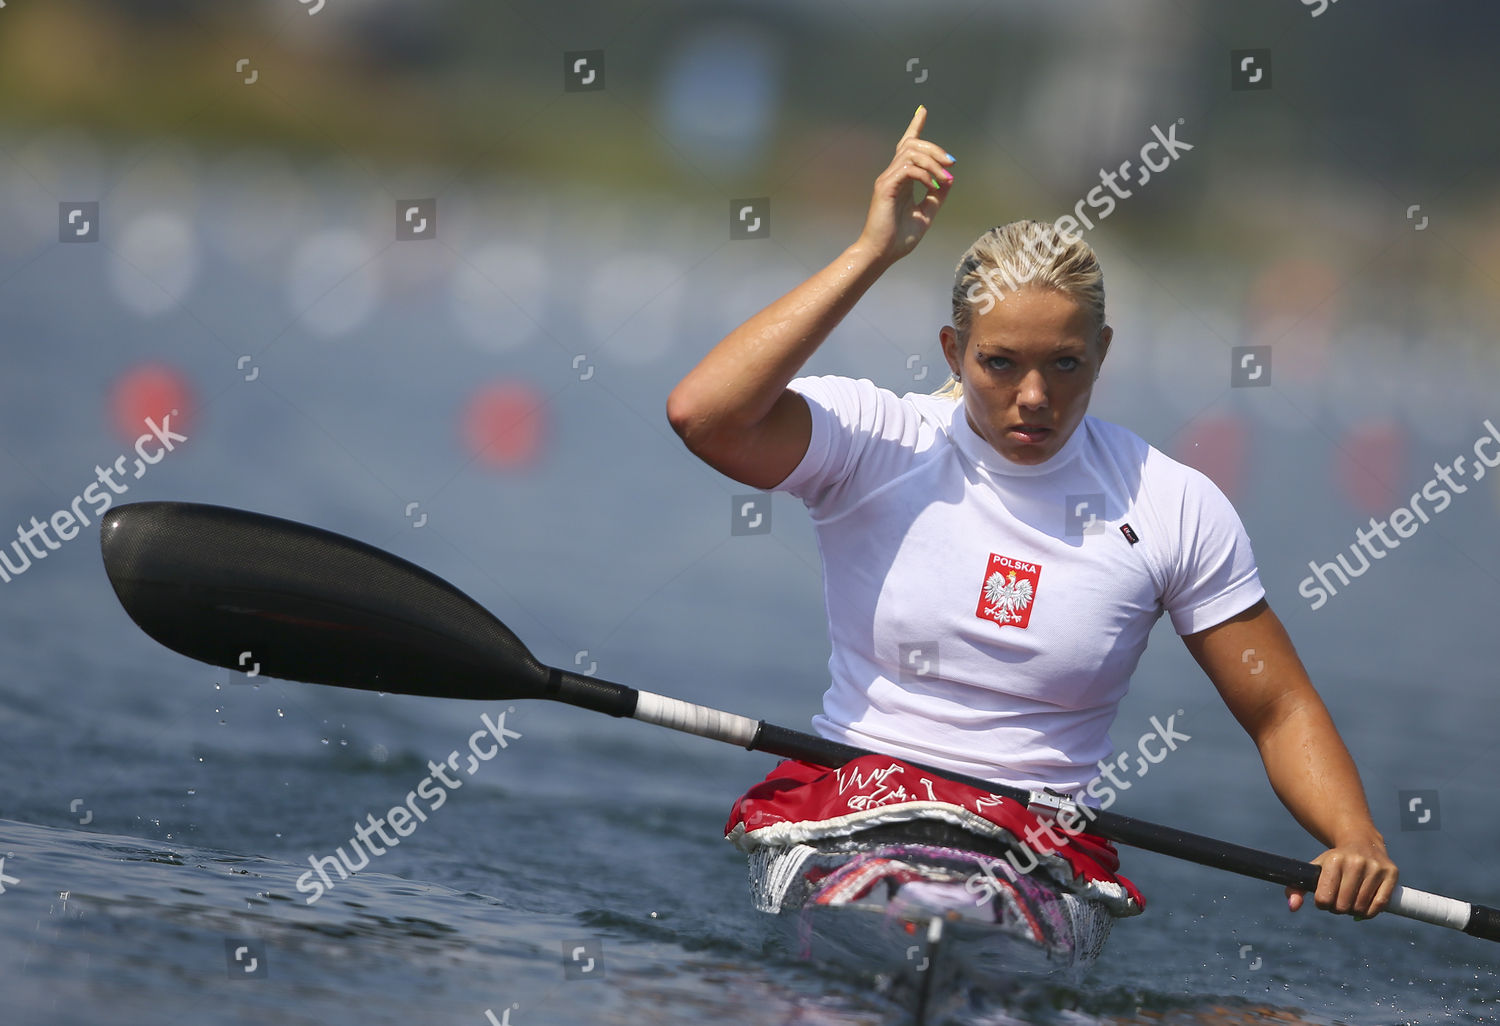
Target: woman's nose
[{"x": 1033, "y": 391}]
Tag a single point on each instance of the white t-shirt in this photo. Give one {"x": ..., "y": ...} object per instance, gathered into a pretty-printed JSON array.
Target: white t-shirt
[{"x": 985, "y": 616}]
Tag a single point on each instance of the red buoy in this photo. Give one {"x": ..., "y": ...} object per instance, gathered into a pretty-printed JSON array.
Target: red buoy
[
  {"x": 503, "y": 425},
  {"x": 152, "y": 391}
]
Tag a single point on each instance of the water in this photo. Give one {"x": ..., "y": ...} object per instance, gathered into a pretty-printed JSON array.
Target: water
[{"x": 156, "y": 814}]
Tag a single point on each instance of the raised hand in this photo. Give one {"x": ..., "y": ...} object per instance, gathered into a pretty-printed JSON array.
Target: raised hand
[{"x": 897, "y": 221}]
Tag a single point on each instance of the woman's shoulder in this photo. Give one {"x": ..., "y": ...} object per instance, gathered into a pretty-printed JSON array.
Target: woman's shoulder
[
  {"x": 1134, "y": 456},
  {"x": 863, "y": 438}
]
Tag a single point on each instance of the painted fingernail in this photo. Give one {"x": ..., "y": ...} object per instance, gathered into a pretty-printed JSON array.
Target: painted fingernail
[
  {"x": 951, "y": 157},
  {"x": 949, "y": 175},
  {"x": 935, "y": 184}
]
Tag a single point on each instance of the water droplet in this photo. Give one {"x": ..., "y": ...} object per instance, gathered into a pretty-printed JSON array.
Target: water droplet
[
  {"x": 280, "y": 713},
  {"x": 194, "y": 790},
  {"x": 325, "y": 740},
  {"x": 343, "y": 742}
]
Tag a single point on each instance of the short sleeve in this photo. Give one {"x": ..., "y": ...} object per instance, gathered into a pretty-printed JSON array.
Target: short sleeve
[
  {"x": 1213, "y": 575},
  {"x": 846, "y": 414}
]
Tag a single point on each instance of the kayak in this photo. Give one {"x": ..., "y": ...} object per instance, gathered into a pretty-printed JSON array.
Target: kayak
[
  {"x": 939, "y": 889},
  {"x": 937, "y": 914}
]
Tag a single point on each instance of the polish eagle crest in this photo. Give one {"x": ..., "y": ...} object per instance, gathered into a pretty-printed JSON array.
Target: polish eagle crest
[{"x": 1009, "y": 590}]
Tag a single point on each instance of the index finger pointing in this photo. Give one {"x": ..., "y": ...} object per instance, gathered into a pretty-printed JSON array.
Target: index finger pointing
[{"x": 918, "y": 119}]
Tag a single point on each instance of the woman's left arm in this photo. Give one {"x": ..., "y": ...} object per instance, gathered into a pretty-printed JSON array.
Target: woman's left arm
[{"x": 1252, "y": 662}]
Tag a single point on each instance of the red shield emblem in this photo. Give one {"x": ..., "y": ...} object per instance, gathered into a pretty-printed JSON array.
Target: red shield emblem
[{"x": 1008, "y": 591}]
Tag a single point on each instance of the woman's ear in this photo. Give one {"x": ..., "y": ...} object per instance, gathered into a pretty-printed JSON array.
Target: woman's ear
[{"x": 948, "y": 339}]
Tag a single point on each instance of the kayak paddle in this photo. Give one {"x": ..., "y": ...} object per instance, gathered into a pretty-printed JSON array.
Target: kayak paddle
[{"x": 229, "y": 587}]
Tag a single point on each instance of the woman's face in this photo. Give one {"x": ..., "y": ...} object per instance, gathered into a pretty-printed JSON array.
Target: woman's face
[{"x": 1028, "y": 371}]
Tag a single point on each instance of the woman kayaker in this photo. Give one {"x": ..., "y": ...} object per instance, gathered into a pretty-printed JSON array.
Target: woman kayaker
[{"x": 993, "y": 558}]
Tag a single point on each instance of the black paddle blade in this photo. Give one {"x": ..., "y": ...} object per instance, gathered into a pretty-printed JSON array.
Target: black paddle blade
[{"x": 243, "y": 590}]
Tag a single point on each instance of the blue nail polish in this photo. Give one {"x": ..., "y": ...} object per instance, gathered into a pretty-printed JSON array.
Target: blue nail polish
[{"x": 951, "y": 157}]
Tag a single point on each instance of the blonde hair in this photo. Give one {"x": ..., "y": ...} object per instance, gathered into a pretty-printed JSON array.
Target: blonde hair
[{"x": 1018, "y": 254}]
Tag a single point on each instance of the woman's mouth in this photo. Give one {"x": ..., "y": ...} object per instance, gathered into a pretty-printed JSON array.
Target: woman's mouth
[{"x": 1030, "y": 434}]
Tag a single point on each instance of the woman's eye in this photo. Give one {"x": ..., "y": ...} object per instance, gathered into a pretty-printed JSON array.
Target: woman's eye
[
  {"x": 998, "y": 363},
  {"x": 1068, "y": 363}
]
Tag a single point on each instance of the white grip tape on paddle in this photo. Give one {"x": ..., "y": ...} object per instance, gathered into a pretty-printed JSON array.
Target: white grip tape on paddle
[
  {"x": 1430, "y": 908},
  {"x": 695, "y": 719}
]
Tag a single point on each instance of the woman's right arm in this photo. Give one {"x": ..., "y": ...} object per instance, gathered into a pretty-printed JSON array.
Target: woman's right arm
[{"x": 734, "y": 410}]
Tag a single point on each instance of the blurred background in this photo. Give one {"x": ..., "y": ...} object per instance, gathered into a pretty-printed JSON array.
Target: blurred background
[{"x": 425, "y": 273}]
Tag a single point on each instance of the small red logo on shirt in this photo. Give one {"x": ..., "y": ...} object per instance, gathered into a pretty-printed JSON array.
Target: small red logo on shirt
[{"x": 1009, "y": 590}]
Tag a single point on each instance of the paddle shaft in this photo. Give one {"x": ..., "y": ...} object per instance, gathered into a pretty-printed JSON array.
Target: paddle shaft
[{"x": 760, "y": 736}]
